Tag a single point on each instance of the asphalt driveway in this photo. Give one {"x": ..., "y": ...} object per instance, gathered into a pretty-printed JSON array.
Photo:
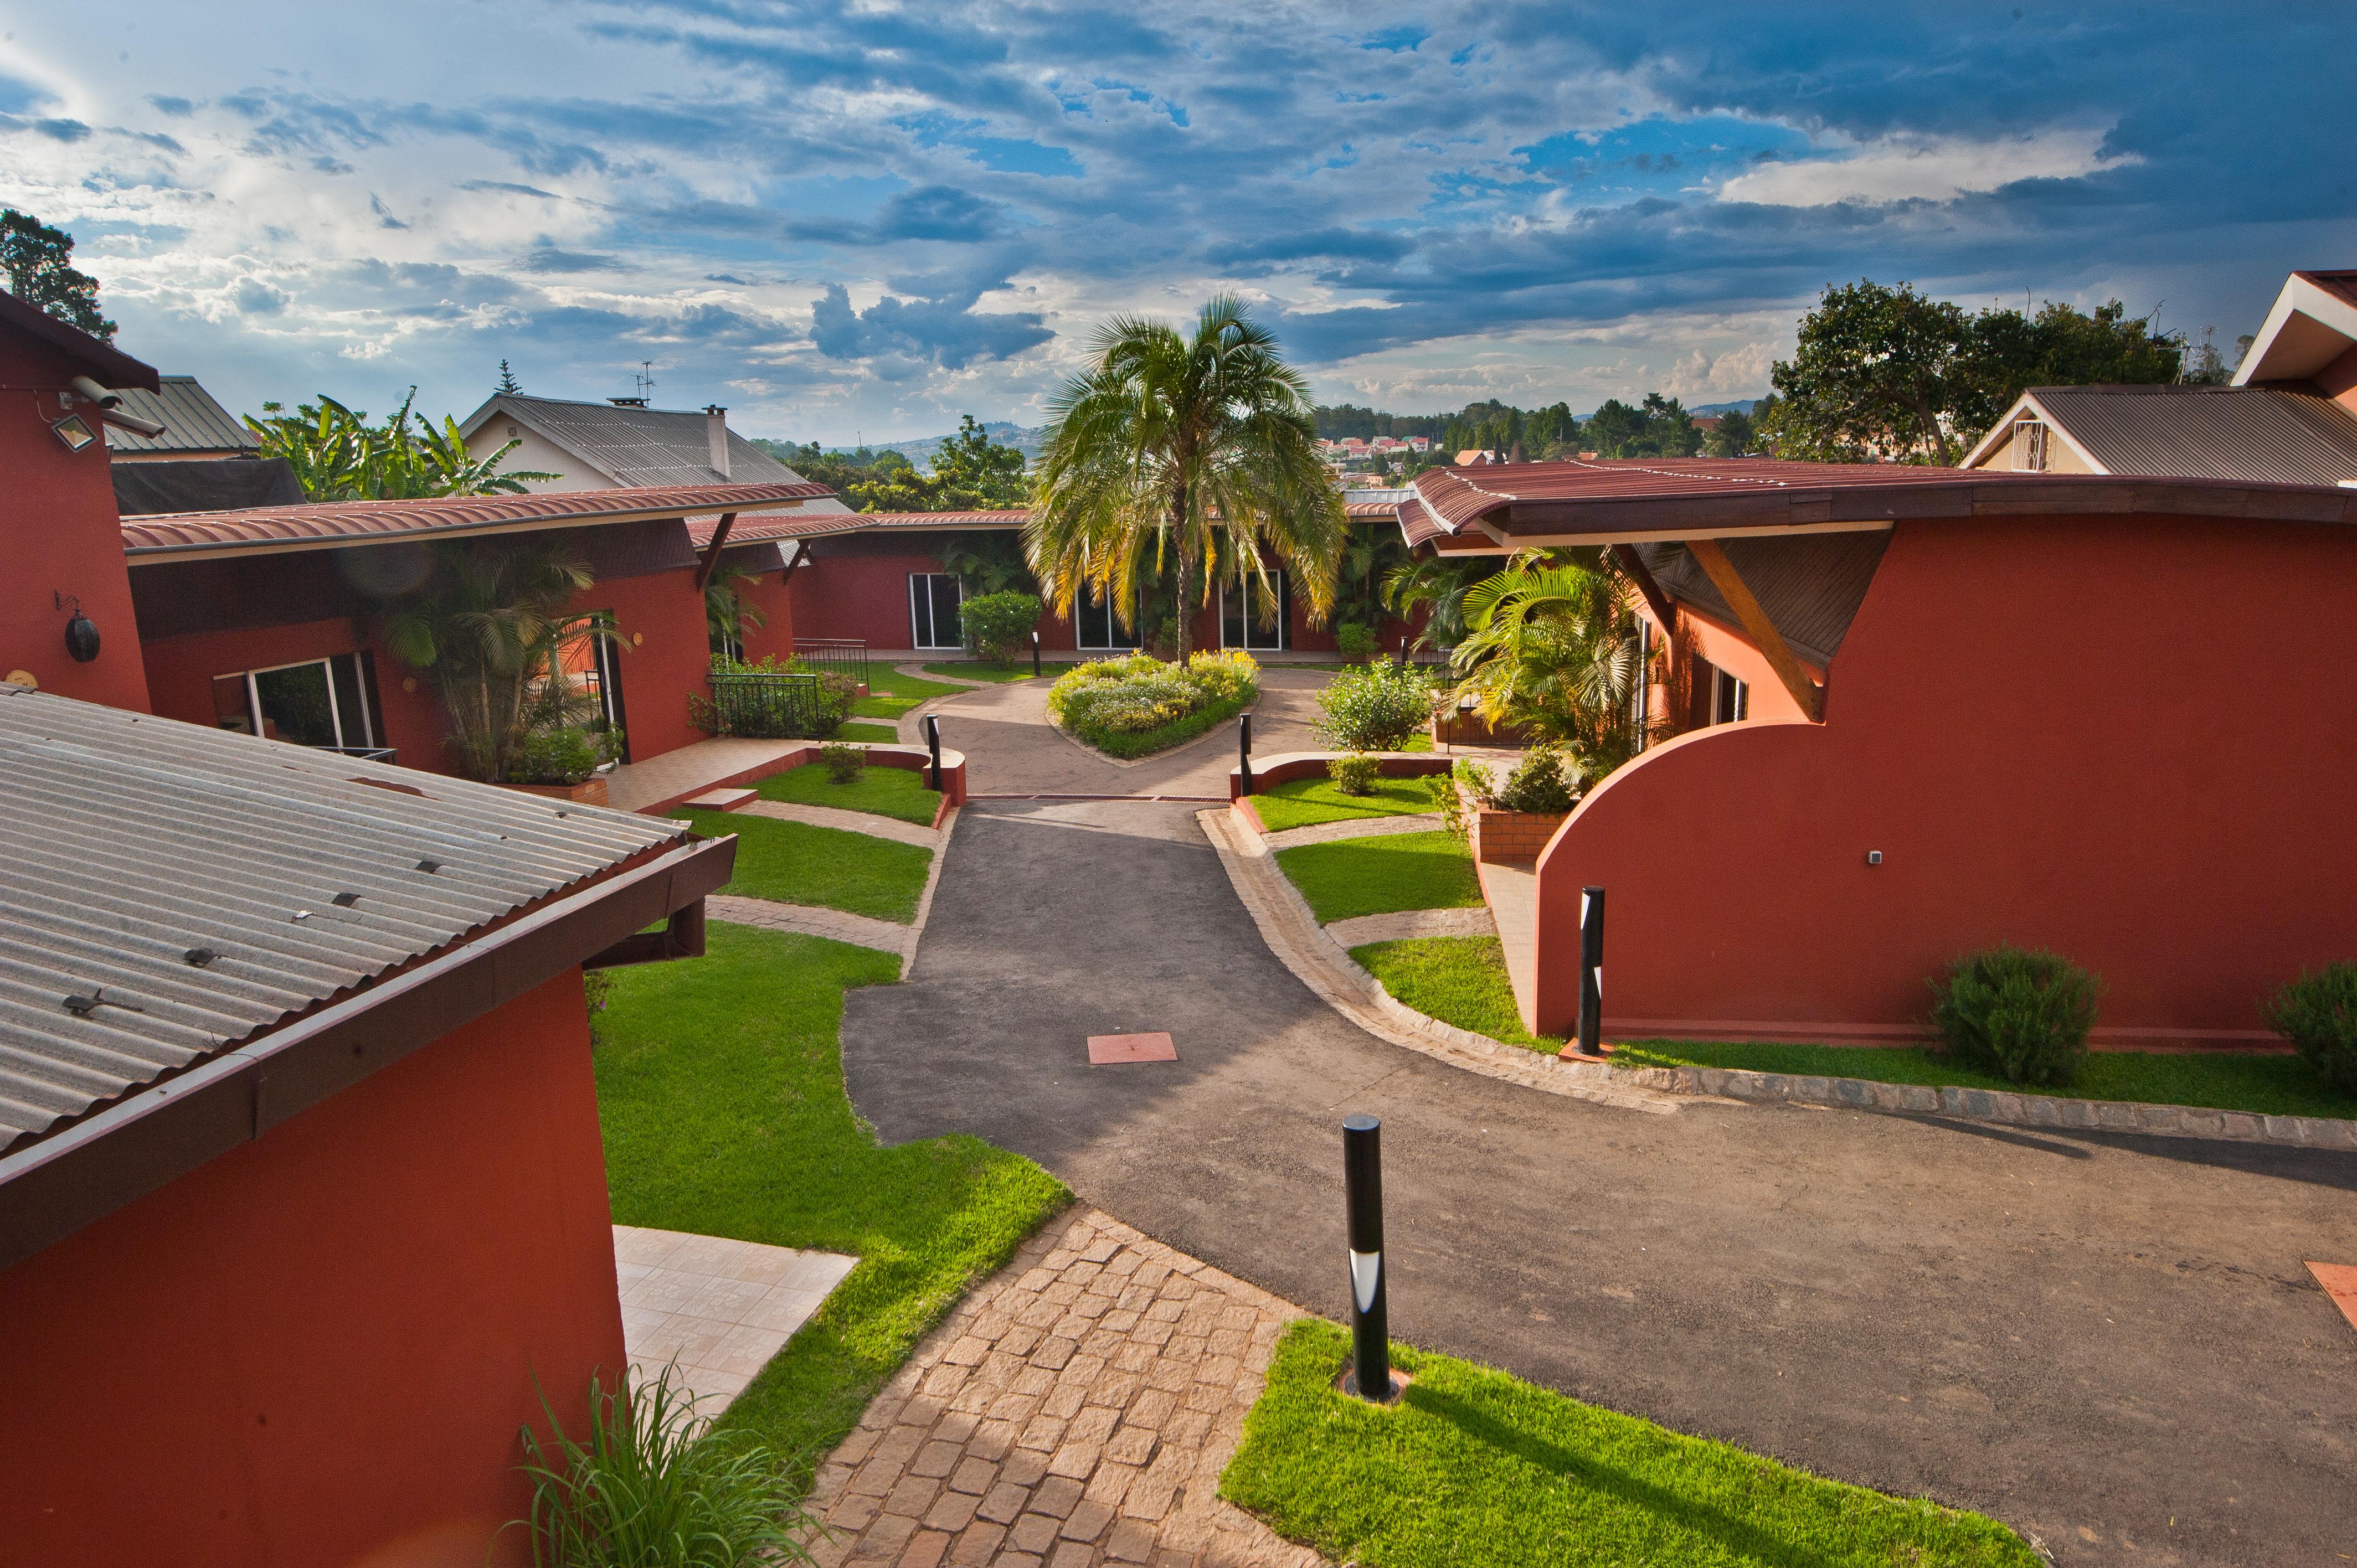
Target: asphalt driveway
[{"x": 2110, "y": 1342}]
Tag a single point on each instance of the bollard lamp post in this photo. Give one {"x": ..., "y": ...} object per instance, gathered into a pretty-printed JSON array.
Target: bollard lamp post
[{"x": 1362, "y": 1183}]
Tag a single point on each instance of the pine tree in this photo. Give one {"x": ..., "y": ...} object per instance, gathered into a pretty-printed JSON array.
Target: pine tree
[{"x": 508, "y": 383}]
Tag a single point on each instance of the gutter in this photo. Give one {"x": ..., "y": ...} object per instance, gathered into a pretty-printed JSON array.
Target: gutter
[{"x": 62, "y": 1184}]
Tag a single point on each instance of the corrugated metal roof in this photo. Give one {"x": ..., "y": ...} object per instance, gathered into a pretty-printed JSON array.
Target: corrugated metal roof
[
  {"x": 103, "y": 362},
  {"x": 1810, "y": 585},
  {"x": 136, "y": 846},
  {"x": 637, "y": 445},
  {"x": 2251, "y": 434},
  {"x": 322, "y": 524},
  {"x": 807, "y": 524},
  {"x": 1458, "y": 496},
  {"x": 193, "y": 421}
]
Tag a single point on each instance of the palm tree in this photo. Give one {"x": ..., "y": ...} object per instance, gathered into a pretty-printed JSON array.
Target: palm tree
[
  {"x": 1551, "y": 645},
  {"x": 1440, "y": 583},
  {"x": 1171, "y": 443}
]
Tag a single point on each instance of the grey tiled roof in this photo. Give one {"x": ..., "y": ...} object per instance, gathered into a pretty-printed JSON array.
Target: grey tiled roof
[
  {"x": 173, "y": 889},
  {"x": 193, "y": 421},
  {"x": 2255, "y": 434},
  {"x": 636, "y": 447}
]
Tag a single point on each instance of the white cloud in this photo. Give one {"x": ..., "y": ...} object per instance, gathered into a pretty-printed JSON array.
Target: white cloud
[
  {"x": 1740, "y": 372},
  {"x": 1926, "y": 168}
]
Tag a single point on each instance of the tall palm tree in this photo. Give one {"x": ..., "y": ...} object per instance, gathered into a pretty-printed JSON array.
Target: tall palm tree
[{"x": 1173, "y": 445}]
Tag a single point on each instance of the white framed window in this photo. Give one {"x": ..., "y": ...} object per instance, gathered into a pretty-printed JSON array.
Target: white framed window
[
  {"x": 1730, "y": 699},
  {"x": 2029, "y": 437},
  {"x": 327, "y": 702},
  {"x": 1640, "y": 701},
  {"x": 934, "y": 600},
  {"x": 1254, "y": 614}
]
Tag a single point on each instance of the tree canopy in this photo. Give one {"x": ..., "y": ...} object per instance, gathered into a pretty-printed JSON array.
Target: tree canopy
[
  {"x": 38, "y": 259},
  {"x": 338, "y": 456},
  {"x": 971, "y": 472},
  {"x": 1890, "y": 374}
]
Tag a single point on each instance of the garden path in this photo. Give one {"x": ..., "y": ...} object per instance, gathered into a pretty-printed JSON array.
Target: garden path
[{"x": 2109, "y": 1340}]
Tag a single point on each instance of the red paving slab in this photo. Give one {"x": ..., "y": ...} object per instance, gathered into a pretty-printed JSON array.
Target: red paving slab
[
  {"x": 2339, "y": 1283},
  {"x": 1105, "y": 1049}
]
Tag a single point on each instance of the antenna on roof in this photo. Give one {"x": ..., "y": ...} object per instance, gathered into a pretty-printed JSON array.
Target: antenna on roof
[{"x": 643, "y": 378}]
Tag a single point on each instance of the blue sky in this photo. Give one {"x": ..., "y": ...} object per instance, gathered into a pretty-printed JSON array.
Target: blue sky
[{"x": 843, "y": 221}]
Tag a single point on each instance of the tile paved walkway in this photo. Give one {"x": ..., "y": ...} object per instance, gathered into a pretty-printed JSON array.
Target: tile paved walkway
[
  {"x": 719, "y": 1307},
  {"x": 1076, "y": 1410}
]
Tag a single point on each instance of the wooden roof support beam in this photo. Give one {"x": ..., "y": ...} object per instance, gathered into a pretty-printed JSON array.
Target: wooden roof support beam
[
  {"x": 1655, "y": 600},
  {"x": 1807, "y": 694},
  {"x": 712, "y": 552}
]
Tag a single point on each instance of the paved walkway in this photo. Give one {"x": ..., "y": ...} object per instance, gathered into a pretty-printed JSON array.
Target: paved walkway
[
  {"x": 694, "y": 767},
  {"x": 1355, "y": 828},
  {"x": 715, "y": 1307},
  {"x": 809, "y": 920},
  {"x": 1077, "y": 1408},
  {"x": 2111, "y": 1341},
  {"x": 1409, "y": 924},
  {"x": 868, "y": 822}
]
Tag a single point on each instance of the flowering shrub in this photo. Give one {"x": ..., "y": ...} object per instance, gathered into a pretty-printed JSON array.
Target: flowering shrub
[
  {"x": 1136, "y": 704},
  {"x": 1375, "y": 707}
]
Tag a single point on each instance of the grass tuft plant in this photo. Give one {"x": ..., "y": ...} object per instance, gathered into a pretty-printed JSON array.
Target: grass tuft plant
[
  {"x": 842, "y": 762},
  {"x": 1354, "y": 775},
  {"x": 2317, "y": 1014},
  {"x": 2021, "y": 1014},
  {"x": 653, "y": 1486}
]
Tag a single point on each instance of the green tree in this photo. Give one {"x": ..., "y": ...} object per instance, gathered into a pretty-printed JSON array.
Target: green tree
[
  {"x": 971, "y": 464},
  {"x": 339, "y": 456},
  {"x": 1551, "y": 645},
  {"x": 1735, "y": 437},
  {"x": 39, "y": 261},
  {"x": 1436, "y": 584},
  {"x": 508, "y": 383},
  {"x": 1170, "y": 446},
  {"x": 990, "y": 563}
]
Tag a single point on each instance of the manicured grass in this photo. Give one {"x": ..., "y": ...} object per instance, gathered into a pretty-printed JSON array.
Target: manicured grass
[
  {"x": 1378, "y": 875},
  {"x": 2270, "y": 1086},
  {"x": 980, "y": 672},
  {"x": 1302, "y": 801},
  {"x": 1462, "y": 981},
  {"x": 720, "y": 1092},
  {"x": 1420, "y": 741},
  {"x": 875, "y": 735},
  {"x": 887, "y": 791},
  {"x": 891, "y": 693},
  {"x": 1458, "y": 980},
  {"x": 1474, "y": 1468},
  {"x": 794, "y": 862}
]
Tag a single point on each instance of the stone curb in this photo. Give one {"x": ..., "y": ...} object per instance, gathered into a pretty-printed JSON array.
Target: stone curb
[{"x": 925, "y": 900}]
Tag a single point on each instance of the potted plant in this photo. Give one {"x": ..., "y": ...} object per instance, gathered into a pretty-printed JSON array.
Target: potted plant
[{"x": 569, "y": 761}]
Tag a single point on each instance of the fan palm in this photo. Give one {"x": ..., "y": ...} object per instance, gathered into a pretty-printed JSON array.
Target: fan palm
[
  {"x": 1551, "y": 645},
  {"x": 1440, "y": 583},
  {"x": 1171, "y": 445}
]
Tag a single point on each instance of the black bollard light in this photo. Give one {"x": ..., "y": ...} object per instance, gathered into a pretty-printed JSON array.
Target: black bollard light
[
  {"x": 1363, "y": 1184},
  {"x": 933, "y": 739},
  {"x": 1243, "y": 750},
  {"x": 1592, "y": 970},
  {"x": 1035, "y": 655}
]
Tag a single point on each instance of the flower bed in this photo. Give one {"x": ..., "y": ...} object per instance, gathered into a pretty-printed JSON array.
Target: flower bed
[{"x": 1134, "y": 706}]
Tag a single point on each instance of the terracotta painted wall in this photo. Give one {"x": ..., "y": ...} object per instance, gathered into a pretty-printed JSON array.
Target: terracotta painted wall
[
  {"x": 771, "y": 594},
  {"x": 319, "y": 1349},
  {"x": 61, "y": 535},
  {"x": 2133, "y": 740},
  {"x": 661, "y": 617}
]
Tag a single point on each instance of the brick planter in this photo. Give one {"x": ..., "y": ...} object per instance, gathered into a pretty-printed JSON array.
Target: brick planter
[
  {"x": 1498, "y": 837},
  {"x": 588, "y": 792}
]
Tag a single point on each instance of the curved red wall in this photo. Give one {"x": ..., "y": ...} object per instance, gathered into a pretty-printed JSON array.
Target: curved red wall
[
  {"x": 317, "y": 1349},
  {"x": 2129, "y": 739}
]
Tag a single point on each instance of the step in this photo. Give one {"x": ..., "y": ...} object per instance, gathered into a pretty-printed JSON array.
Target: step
[{"x": 722, "y": 799}]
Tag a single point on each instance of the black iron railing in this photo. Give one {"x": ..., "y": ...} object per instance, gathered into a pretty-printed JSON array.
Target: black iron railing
[
  {"x": 773, "y": 706},
  {"x": 844, "y": 655}
]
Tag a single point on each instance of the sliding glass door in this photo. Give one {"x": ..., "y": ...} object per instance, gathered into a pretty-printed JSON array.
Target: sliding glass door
[
  {"x": 1253, "y": 613},
  {"x": 322, "y": 701},
  {"x": 933, "y": 620}
]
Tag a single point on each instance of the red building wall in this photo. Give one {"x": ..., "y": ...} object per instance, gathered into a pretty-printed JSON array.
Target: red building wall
[
  {"x": 773, "y": 599},
  {"x": 319, "y": 1349},
  {"x": 63, "y": 535},
  {"x": 2131, "y": 739}
]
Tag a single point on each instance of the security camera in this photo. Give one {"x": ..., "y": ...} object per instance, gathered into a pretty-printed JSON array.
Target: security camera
[{"x": 91, "y": 391}]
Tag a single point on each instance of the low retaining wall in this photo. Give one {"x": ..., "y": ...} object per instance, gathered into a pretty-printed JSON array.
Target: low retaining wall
[
  {"x": 914, "y": 757},
  {"x": 1284, "y": 766},
  {"x": 1498, "y": 836}
]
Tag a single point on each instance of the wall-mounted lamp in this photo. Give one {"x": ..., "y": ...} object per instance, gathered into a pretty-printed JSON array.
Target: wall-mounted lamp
[
  {"x": 81, "y": 632},
  {"x": 73, "y": 432}
]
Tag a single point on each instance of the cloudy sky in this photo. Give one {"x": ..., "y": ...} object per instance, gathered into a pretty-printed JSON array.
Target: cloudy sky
[{"x": 862, "y": 217}]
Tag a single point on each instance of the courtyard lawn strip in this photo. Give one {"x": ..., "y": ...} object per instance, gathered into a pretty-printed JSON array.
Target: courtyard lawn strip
[
  {"x": 1474, "y": 1468},
  {"x": 1304, "y": 802},
  {"x": 890, "y": 693},
  {"x": 720, "y": 1094},
  {"x": 869, "y": 734},
  {"x": 996, "y": 673},
  {"x": 794, "y": 862},
  {"x": 1458, "y": 980},
  {"x": 1378, "y": 875},
  {"x": 886, "y": 791}
]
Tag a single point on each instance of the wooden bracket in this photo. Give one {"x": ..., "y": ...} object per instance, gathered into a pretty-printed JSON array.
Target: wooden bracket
[
  {"x": 712, "y": 552},
  {"x": 1655, "y": 600},
  {"x": 1805, "y": 693}
]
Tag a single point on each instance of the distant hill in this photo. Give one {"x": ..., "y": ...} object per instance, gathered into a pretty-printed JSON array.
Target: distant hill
[
  {"x": 1746, "y": 406},
  {"x": 1029, "y": 440}
]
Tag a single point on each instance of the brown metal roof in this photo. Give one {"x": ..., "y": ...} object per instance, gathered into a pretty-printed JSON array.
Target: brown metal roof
[
  {"x": 2342, "y": 284},
  {"x": 322, "y": 525},
  {"x": 1458, "y": 496},
  {"x": 193, "y": 421},
  {"x": 2253, "y": 435},
  {"x": 1810, "y": 585},
  {"x": 814, "y": 525}
]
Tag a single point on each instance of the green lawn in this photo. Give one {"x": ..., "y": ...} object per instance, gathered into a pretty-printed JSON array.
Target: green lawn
[
  {"x": 1475, "y": 1469},
  {"x": 886, "y": 791},
  {"x": 720, "y": 1092},
  {"x": 891, "y": 693},
  {"x": 1378, "y": 875},
  {"x": 1458, "y": 980},
  {"x": 873, "y": 734},
  {"x": 793, "y": 862},
  {"x": 1462, "y": 981},
  {"x": 1020, "y": 671},
  {"x": 1306, "y": 800}
]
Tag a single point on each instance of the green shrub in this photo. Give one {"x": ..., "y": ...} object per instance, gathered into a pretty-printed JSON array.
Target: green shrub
[
  {"x": 2021, "y": 1014},
  {"x": 1355, "y": 774},
  {"x": 1138, "y": 703},
  {"x": 996, "y": 624},
  {"x": 2317, "y": 1014},
  {"x": 654, "y": 1487},
  {"x": 1375, "y": 707},
  {"x": 568, "y": 754},
  {"x": 803, "y": 709},
  {"x": 1541, "y": 782},
  {"x": 1450, "y": 790},
  {"x": 843, "y": 760},
  {"x": 1354, "y": 640}
]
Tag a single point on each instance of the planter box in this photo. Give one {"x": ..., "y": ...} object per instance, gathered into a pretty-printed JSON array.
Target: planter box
[
  {"x": 1450, "y": 727},
  {"x": 588, "y": 792},
  {"x": 1498, "y": 837}
]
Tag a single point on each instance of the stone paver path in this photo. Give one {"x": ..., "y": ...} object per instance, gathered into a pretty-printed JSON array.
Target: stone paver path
[
  {"x": 868, "y": 822},
  {"x": 717, "y": 1307},
  {"x": 1407, "y": 924},
  {"x": 635, "y": 786},
  {"x": 1076, "y": 1410},
  {"x": 1354, "y": 828},
  {"x": 809, "y": 920}
]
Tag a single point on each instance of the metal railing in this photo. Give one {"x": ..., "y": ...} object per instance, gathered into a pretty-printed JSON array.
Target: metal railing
[
  {"x": 365, "y": 753},
  {"x": 772, "y": 706},
  {"x": 844, "y": 655}
]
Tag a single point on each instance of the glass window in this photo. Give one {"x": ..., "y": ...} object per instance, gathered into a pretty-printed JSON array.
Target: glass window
[
  {"x": 933, "y": 620},
  {"x": 320, "y": 702},
  {"x": 1253, "y": 613},
  {"x": 1096, "y": 626}
]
